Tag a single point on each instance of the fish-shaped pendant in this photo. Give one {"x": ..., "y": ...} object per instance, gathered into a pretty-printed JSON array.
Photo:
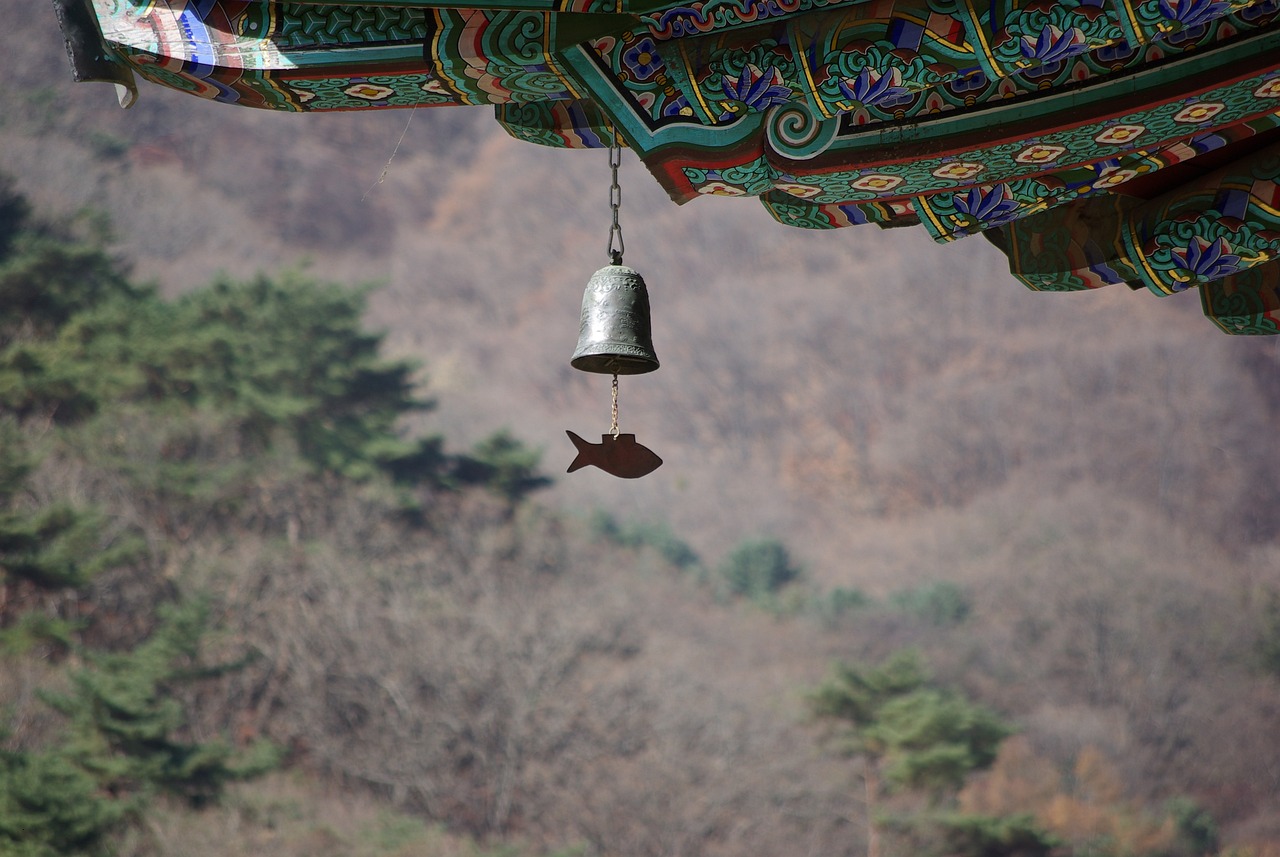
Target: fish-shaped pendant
[{"x": 620, "y": 456}]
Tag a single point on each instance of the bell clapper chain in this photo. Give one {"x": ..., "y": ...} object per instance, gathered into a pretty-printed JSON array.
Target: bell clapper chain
[
  {"x": 614, "y": 428},
  {"x": 614, "y": 339}
]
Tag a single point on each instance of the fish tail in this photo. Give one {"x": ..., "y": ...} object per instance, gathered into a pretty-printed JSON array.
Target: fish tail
[{"x": 582, "y": 446}]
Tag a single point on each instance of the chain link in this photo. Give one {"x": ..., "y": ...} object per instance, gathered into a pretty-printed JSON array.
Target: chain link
[
  {"x": 614, "y": 428},
  {"x": 616, "y": 244}
]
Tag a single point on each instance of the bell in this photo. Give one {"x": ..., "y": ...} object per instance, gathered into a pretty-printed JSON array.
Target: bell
[{"x": 615, "y": 336}]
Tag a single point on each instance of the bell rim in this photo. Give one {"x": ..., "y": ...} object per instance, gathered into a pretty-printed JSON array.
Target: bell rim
[{"x": 614, "y": 364}]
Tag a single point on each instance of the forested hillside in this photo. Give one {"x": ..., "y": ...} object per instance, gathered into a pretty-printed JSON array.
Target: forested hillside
[
  {"x": 224, "y": 559},
  {"x": 934, "y": 565}
]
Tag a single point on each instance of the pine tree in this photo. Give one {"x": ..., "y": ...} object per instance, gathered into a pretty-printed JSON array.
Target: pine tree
[
  {"x": 908, "y": 733},
  {"x": 48, "y": 273},
  {"x": 504, "y": 465},
  {"x": 51, "y": 546},
  {"x": 758, "y": 568},
  {"x": 50, "y": 807},
  {"x": 1005, "y": 836},
  {"x": 14, "y": 214},
  {"x": 275, "y": 358},
  {"x": 292, "y": 354},
  {"x": 128, "y": 726},
  {"x": 126, "y": 742}
]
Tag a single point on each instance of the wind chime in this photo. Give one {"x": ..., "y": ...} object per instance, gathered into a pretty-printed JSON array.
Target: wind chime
[{"x": 615, "y": 339}]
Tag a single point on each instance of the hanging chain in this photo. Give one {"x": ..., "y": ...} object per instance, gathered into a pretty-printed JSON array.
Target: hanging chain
[
  {"x": 614, "y": 429},
  {"x": 616, "y": 244},
  {"x": 615, "y": 202}
]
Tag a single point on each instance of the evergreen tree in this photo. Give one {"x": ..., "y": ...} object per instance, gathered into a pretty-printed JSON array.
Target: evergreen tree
[
  {"x": 128, "y": 726},
  {"x": 908, "y": 733},
  {"x": 52, "y": 546},
  {"x": 271, "y": 356},
  {"x": 51, "y": 807},
  {"x": 983, "y": 836},
  {"x": 504, "y": 465},
  {"x": 275, "y": 358},
  {"x": 126, "y": 742},
  {"x": 1267, "y": 644},
  {"x": 47, "y": 274},
  {"x": 941, "y": 603},
  {"x": 14, "y": 211},
  {"x": 292, "y": 354},
  {"x": 758, "y": 568}
]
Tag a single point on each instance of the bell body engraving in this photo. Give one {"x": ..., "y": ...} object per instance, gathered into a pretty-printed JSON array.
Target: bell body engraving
[{"x": 615, "y": 334}]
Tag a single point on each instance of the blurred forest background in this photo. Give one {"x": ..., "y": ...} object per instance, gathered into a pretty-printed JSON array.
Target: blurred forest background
[{"x": 935, "y": 565}]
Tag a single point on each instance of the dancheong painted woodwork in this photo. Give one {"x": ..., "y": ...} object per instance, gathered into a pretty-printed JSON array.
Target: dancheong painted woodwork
[{"x": 1093, "y": 141}]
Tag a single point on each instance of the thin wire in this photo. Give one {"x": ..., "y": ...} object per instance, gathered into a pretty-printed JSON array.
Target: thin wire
[
  {"x": 387, "y": 165},
  {"x": 615, "y": 202}
]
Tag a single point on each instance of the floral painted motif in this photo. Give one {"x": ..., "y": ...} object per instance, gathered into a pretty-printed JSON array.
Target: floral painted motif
[
  {"x": 720, "y": 188},
  {"x": 959, "y": 170},
  {"x": 876, "y": 183},
  {"x": 1119, "y": 135},
  {"x": 1270, "y": 89},
  {"x": 1040, "y": 39},
  {"x": 1053, "y": 44},
  {"x": 803, "y": 191},
  {"x": 877, "y": 77},
  {"x": 986, "y": 206},
  {"x": 754, "y": 89},
  {"x": 1112, "y": 177},
  {"x": 1198, "y": 113},
  {"x": 1193, "y": 13},
  {"x": 1203, "y": 260},
  {"x": 641, "y": 59},
  {"x": 369, "y": 92},
  {"x": 678, "y": 106},
  {"x": 873, "y": 87},
  {"x": 1038, "y": 153}
]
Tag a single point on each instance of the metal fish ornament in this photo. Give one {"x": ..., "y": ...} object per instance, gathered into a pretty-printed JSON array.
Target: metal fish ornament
[{"x": 620, "y": 456}]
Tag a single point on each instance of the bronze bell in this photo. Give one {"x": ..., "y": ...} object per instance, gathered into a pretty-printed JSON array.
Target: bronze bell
[{"x": 615, "y": 336}]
